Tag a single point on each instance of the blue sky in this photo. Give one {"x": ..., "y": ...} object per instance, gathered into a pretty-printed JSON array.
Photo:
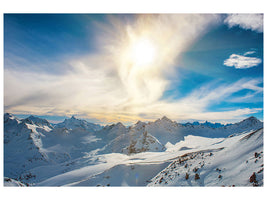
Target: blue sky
[{"x": 189, "y": 67}]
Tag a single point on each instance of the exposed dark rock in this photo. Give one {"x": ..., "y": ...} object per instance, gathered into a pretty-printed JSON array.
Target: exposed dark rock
[
  {"x": 195, "y": 169},
  {"x": 256, "y": 155},
  {"x": 252, "y": 178},
  {"x": 186, "y": 176}
]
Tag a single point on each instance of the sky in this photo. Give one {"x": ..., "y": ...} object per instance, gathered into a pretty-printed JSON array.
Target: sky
[{"x": 128, "y": 67}]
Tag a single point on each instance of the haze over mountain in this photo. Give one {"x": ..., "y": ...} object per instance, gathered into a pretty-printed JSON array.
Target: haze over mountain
[{"x": 76, "y": 152}]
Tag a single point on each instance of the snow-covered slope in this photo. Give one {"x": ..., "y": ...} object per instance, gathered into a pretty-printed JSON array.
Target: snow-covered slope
[
  {"x": 235, "y": 161},
  {"x": 76, "y": 152},
  {"x": 216, "y": 161},
  {"x": 144, "y": 142},
  {"x": 22, "y": 146},
  {"x": 34, "y": 142}
]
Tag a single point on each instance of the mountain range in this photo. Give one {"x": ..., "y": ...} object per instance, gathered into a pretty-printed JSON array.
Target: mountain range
[{"x": 164, "y": 152}]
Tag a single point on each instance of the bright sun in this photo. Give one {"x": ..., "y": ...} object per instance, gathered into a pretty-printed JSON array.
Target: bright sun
[{"x": 142, "y": 52}]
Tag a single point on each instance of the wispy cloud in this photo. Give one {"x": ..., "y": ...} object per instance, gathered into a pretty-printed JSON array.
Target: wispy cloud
[
  {"x": 92, "y": 95},
  {"x": 196, "y": 104},
  {"x": 252, "y": 22},
  {"x": 106, "y": 86},
  {"x": 242, "y": 62}
]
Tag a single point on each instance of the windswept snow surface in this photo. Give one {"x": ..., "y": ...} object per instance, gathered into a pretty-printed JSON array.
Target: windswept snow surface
[
  {"x": 160, "y": 153},
  {"x": 229, "y": 162}
]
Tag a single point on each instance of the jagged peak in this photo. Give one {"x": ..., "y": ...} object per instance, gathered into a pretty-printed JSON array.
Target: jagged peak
[
  {"x": 73, "y": 118},
  {"x": 28, "y": 121},
  {"x": 164, "y": 119},
  {"x": 37, "y": 121},
  {"x": 9, "y": 116},
  {"x": 31, "y": 117},
  {"x": 34, "y": 118},
  {"x": 139, "y": 124},
  {"x": 117, "y": 125}
]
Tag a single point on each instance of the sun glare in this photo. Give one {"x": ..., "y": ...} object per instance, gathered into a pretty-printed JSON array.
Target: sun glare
[{"x": 142, "y": 52}]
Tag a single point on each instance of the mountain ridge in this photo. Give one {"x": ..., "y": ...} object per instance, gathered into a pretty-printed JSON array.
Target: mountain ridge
[
  {"x": 33, "y": 143},
  {"x": 164, "y": 118}
]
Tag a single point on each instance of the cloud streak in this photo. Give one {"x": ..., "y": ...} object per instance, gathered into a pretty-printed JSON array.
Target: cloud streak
[{"x": 196, "y": 104}]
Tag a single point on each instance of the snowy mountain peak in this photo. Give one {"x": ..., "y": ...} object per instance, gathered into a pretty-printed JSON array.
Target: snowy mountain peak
[
  {"x": 74, "y": 123},
  {"x": 27, "y": 121},
  {"x": 8, "y": 116},
  {"x": 72, "y": 119},
  {"x": 252, "y": 118},
  {"x": 164, "y": 120},
  {"x": 251, "y": 121},
  {"x": 114, "y": 126},
  {"x": 38, "y": 121}
]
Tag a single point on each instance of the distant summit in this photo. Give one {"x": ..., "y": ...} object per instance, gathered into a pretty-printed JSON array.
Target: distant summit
[
  {"x": 206, "y": 124},
  {"x": 74, "y": 123}
]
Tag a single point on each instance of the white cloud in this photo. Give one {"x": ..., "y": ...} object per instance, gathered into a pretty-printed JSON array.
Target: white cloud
[
  {"x": 252, "y": 22},
  {"x": 242, "y": 62}
]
